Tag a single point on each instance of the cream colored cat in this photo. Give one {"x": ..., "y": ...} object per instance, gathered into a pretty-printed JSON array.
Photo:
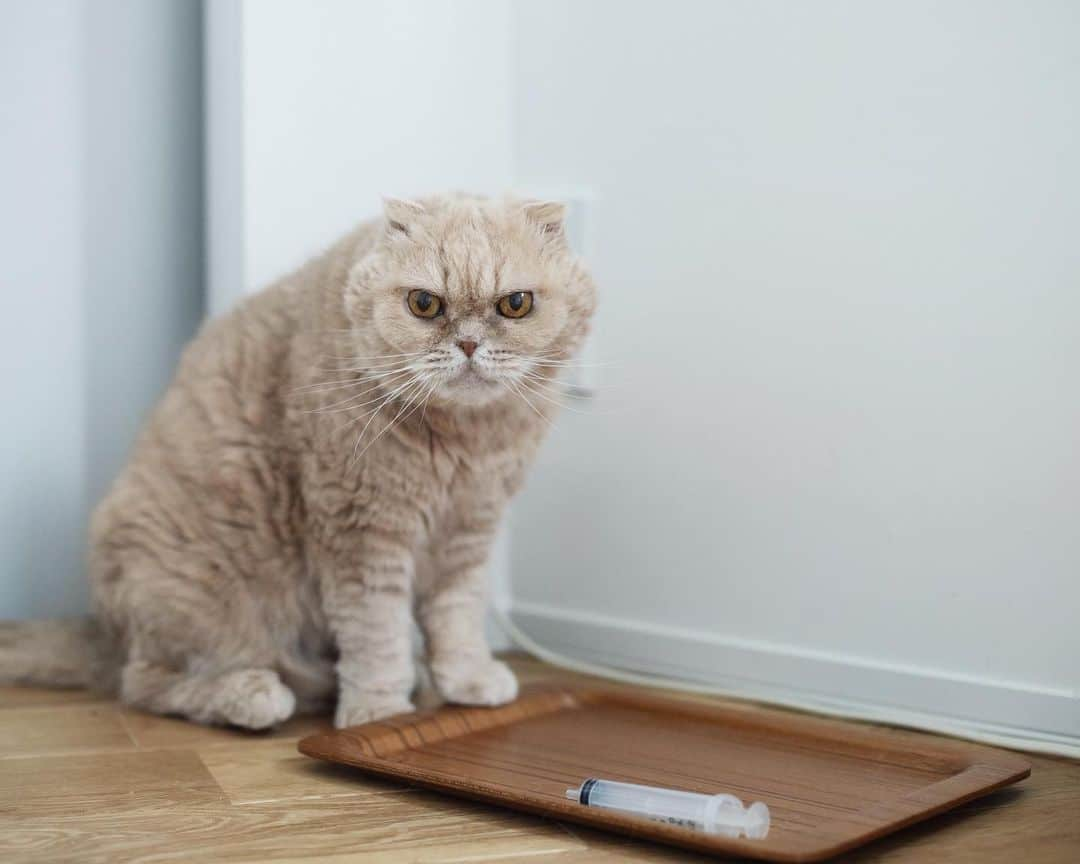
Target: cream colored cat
[{"x": 332, "y": 458}]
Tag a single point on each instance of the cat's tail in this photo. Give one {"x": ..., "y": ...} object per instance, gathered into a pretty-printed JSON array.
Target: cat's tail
[{"x": 55, "y": 653}]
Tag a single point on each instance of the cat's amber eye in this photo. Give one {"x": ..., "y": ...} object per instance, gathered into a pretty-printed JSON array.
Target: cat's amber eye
[
  {"x": 516, "y": 305},
  {"x": 424, "y": 304}
]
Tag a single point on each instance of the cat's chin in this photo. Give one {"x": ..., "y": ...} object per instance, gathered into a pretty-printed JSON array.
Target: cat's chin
[{"x": 470, "y": 388}]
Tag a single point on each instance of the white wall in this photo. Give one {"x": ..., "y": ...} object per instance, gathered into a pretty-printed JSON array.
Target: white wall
[
  {"x": 101, "y": 263},
  {"x": 143, "y": 211},
  {"x": 841, "y": 287},
  {"x": 42, "y": 458},
  {"x": 340, "y": 103}
]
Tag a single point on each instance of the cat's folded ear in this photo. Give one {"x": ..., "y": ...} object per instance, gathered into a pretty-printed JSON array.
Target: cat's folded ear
[
  {"x": 548, "y": 216},
  {"x": 400, "y": 213}
]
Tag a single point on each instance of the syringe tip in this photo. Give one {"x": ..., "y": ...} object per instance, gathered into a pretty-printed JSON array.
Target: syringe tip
[{"x": 573, "y": 794}]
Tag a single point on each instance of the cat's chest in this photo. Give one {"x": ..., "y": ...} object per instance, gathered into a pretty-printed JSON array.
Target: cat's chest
[{"x": 467, "y": 481}]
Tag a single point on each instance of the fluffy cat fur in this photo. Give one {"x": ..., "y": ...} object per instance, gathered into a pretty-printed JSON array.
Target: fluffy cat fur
[{"x": 325, "y": 466}]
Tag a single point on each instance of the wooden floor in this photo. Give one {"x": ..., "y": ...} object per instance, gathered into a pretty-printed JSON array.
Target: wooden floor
[{"x": 82, "y": 779}]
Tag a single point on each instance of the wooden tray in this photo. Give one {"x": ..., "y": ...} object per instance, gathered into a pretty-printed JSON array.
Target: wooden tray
[{"x": 830, "y": 785}]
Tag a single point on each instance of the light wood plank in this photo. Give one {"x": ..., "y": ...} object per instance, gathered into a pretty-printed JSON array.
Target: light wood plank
[
  {"x": 62, "y": 729},
  {"x": 403, "y": 827},
  {"x": 519, "y": 850},
  {"x": 37, "y": 697},
  {"x": 152, "y": 732},
  {"x": 251, "y": 772},
  {"x": 70, "y": 787}
]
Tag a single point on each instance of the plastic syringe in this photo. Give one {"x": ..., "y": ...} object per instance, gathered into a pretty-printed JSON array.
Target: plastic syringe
[{"x": 712, "y": 814}]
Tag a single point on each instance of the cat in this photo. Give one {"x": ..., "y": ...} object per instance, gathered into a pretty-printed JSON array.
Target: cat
[{"x": 331, "y": 460}]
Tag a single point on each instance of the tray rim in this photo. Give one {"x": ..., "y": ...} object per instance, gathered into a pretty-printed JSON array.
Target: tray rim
[{"x": 979, "y": 769}]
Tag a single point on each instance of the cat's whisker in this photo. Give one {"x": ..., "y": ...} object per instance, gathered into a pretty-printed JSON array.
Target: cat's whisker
[
  {"x": 560, "y": 357},
  {"x": 514, "y": 389},
  {"x": 560, "y": 376},
  {"x": 413, "y": 397},
  {"x": 374, "y": 412},
  {"x": 567, "y": 364},
  {"x": 434, "y": 384},
  {"x": 554, "y": 395},
  {"x": 325, "y": 387},
  {"x": 553, "y": 398},
  {"x": 362, "y": 378},
  {"x": 436, "y": 381},
  {"x": 365, "y": 365},
  {"x": 334, "y": 384},
  {"x": 382, "y": 372},
  {"x": 395, "y": 391},
  {"x": 566, "y": 386},
  {"x": 362, "y": 368},
  {"x": 374, "y": 356},
  {"x": 541, "y": 380},
  {"x": 358, "y": 380},
  {"x": 335, "y": 409},
  {"x": 560, "y": 390}
]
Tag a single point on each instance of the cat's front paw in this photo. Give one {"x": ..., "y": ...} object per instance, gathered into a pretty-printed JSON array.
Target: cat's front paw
[
  {"x": 357, "y": 707},
  {"x": 485, "y": 682},
  {"x": 252, "y": 699}
]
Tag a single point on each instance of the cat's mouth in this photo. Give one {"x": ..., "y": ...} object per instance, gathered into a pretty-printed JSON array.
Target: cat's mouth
[
  {"x": 472, "y": 375},
  {"x": 474, "y": 380}
]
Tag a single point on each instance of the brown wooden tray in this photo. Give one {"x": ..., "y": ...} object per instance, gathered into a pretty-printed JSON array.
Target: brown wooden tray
[{"x": 830, "y": 785}]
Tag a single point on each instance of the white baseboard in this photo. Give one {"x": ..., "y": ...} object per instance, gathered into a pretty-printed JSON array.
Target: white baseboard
[{"x": 1045, "y": 719}]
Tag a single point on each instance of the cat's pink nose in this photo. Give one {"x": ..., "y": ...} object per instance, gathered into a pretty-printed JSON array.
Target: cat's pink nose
[{"x": 468, "y": 347}]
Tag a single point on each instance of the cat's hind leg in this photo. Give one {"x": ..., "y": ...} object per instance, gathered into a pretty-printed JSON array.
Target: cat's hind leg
[
  {"x": 194, "y": 638},
  {"x": 249, "y": 698}
]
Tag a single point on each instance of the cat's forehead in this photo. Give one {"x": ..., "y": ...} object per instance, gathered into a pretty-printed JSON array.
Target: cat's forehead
[{"x": 474, "y": 258}]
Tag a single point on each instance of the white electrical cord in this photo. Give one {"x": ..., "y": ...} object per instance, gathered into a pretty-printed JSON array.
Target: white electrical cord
[{"x": 867, "y": 713}]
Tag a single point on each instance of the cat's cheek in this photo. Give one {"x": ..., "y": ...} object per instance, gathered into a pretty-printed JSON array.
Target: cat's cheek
[
  {"x": 534, "y": 333},
  {"x": 402, "y": 332}
]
